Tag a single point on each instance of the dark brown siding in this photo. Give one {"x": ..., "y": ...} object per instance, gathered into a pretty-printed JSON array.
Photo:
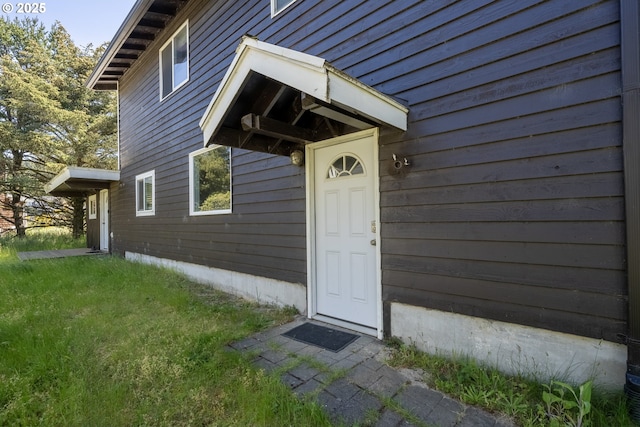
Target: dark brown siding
[
  {"x": 513, "y": 207},
  {"x": 93, "y": 233},
  {"x": 265, "y": 234},
  {"x": 630, "y": 29},
  {"x": 93, "y": 225}
]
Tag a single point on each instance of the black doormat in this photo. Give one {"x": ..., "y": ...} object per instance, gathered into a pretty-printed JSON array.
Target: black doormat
[{"x": 320, "y": 336}]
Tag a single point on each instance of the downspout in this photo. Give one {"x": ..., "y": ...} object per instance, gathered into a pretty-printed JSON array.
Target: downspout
[{"x": 630, "y": 52}]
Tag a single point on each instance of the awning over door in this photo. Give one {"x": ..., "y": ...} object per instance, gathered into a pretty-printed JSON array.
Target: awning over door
[
  {"x": 275, "y": 100},
  {"x": 75, "y": 181}
]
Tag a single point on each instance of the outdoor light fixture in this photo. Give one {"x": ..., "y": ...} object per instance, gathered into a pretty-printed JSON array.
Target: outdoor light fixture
[
  {"x": 398, "y": 163},
  {"x": 297, "y": 157},
  {"x": 399, "y": 166}
]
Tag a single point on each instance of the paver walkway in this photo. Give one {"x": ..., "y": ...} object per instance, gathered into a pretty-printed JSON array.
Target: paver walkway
[
  {"x": 58, "y": 253},
  {"x": 355, "y": 386}
]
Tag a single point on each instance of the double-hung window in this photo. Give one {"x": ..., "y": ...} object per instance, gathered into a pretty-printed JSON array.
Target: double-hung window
[
  {"x": 210, "y": 181},
  {"x": 145, "y": 194},
  {"x": 174, "y": 61}
]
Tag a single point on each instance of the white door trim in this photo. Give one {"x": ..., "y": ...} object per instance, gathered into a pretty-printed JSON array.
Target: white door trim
[
  {"x": 104, "y": 220},
  {"x": 311, "y": 227}
]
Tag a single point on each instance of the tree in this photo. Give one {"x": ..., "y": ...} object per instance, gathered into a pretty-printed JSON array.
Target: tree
[
  {"x": 86, "y": 130},
  {"x": 48, "y": 118},
  {"x": 213, "y": 180},
  {"x": 26, "y": 103}
]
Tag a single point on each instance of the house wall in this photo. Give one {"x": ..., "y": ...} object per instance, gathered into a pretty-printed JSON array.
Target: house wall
[
  {"x": 265, "y": 235},
  {"x": 512, "y": 209},
  {"x": 93, "y": 231}
]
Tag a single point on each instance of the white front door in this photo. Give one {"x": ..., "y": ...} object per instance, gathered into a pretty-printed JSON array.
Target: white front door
[
  {"x": 104, "y": 220},
  {"x": 346, "y": 267}
]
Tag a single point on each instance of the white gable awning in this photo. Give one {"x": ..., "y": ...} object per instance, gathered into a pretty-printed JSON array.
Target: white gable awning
[
  {"x": 264, "y": 80},
  {"x": 79, "y": 181}
]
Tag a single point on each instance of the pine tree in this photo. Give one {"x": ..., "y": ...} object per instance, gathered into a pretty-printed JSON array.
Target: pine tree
[{"x": 48, "y": 118}]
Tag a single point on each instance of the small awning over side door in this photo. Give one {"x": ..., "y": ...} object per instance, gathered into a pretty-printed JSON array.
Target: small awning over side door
[
  {"x": 276, "y": 100},
  {"x": 74, "y": 181}
]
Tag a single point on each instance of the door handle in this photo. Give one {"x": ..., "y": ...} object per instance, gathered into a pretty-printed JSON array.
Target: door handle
[{"x": 373, "y": 242}]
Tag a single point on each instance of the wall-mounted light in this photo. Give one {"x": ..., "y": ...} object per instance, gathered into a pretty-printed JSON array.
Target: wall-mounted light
[
  {"x": 398, "y": 163},
  {"x": 297, "y": 157},
  {"x": 399, "y": 166}
]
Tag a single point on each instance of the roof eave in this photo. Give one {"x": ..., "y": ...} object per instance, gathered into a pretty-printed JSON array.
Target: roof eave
[{"x": 135, "y": 15}]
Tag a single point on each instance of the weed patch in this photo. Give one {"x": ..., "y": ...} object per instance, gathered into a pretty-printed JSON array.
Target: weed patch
[{"x": 524, "y": 400}]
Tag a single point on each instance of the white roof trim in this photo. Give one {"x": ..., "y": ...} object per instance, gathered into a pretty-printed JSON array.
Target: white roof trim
[
  {"x": 80, "y": 173},
  {"x": 306, "y": 73}
]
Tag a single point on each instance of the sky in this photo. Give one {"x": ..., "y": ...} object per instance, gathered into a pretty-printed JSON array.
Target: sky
[{"x": 92, "y": 21}]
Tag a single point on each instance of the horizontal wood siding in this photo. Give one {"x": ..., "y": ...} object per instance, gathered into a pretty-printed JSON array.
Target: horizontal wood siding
[
  {"x": 512, "y": 207},
  {"x": 265, "y": 234},
  {"x": 93, "y": 225}
]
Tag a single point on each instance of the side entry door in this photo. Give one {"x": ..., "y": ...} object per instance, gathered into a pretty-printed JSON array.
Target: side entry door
[{"x": 345, "y": 231}]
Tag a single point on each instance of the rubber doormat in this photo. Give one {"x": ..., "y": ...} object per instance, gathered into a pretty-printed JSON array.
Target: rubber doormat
[{"x": 321, "y": 336}]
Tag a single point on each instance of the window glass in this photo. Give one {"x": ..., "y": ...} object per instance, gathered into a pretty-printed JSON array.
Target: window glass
[
  {"x": 345, "y": 165},
  {"x": 180, "y": 49},
  {"x": 210, "y": 180},
  {"x": 145, "y": 194},
  {"x": 278, "y": 6},
  {"x": 174, "y": 61},
  {"x": 140, "y": 192},
  {"x": 167, "y": 76},
  {"x": 148, "y": 194},
  {"x": 93, "y": 212}
]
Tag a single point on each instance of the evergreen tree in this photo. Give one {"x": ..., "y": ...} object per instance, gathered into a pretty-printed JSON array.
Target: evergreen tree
[{"x": 48, "y": 118}]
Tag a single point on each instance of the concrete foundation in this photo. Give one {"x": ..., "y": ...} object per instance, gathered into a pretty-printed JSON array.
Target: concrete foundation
[
  {"x": 513, "y": 349},
  {"x": 256, "y": 288}
]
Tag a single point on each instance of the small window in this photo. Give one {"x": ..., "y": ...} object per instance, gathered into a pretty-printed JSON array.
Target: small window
[
  {"x": 174, "y": 61},
  {"x": 278, "y": 6},
  {"x": 93, "y": 210},
  {"x": 343, "y": 166},
  {"x": 145, "y": 194},
  {"x": 210, "y": 181}
]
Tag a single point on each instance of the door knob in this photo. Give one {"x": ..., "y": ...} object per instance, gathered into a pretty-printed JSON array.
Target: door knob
[{"x": 373, "y": 242}]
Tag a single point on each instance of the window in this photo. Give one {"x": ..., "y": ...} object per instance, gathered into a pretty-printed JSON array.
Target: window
[
  {"x": 174, "y": 61},
  {"x": 278, "y": 6},
  {"x": 210, "y": 181},
  {"x": 345, "y": 165},
  {"x": 145, "y": 197},
  {"x": 93, "y": 212}
]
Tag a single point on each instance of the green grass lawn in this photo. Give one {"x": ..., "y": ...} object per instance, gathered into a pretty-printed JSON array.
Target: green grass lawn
[{"x": 102, "y": 341}]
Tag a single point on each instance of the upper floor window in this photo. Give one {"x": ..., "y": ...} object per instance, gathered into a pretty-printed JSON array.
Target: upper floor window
[
  {"x": 174, "y": 61},
  {"x": 210, "y": 181},
  {"x": 145, "y": 194},
  {"x": 278, "y": 6}
]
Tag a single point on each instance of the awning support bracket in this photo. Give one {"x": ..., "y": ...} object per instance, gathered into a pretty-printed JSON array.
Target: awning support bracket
[{"x": 266, "y": 126}]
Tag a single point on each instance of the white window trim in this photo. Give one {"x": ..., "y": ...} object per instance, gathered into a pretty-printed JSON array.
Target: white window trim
[
  {"x": 275, "y": 12},
  {"x": 92, "y": 207},
  {"x": 192, "y": 211},
  {"x": 167, "y": 43},
  {"x": 142, "y": 176}
]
